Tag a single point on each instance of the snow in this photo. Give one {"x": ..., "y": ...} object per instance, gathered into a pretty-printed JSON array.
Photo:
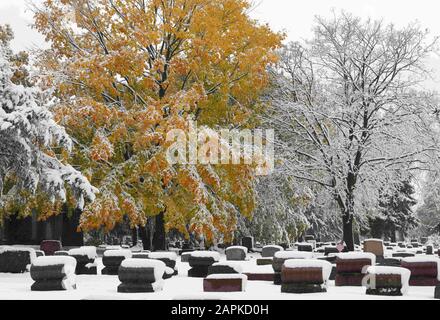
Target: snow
[
  {"x": 373, "y": 240},
  {"x": 206, "y": 254},
  {"x": 308, "y": 263},
  {"x": 221, "y": 276},
  {"x": 308, "y": 244},
  {"x": 119, "y": 253},
  {"x": 405, "y": 274},
  {"x": 232, "y": 264},
  {"x": 90, "y": 252},
  {"x": 54, "y": 260},
  {"x": 158, "y": 285},
  {"x": 163, "y": 255},
  {"x": 157, "y": 265},
  {"x": 238, "y": 247},
  {"x": 357, "y": 255},
  {"x": 294, "y": 255},
  {"x": 169, "y": 271},
  {"x": 421, "y": 259},
  {"x": 97, "y": 287}
]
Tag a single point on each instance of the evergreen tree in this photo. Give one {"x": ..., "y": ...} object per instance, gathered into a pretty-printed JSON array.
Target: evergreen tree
[
  {"x": 396, "y": 214},
  {"x": 29, "y": 136}
]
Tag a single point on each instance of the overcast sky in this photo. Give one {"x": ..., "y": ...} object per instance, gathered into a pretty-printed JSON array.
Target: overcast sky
[{"x": 293, "y": 17}]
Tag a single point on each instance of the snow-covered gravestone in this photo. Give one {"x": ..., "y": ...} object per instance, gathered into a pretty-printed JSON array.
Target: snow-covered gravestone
[
  {"x": 387, "y": 281},
  {"x": 27, "y": 129},
  {"x": 53, "y": 273},
  {"x": 425, "y": 270},
  {"x": 351, "y": 267},
  {"x": 305, "y": 276},
  {"x": 269, "y": 251},
  {"x": 236, "y": 253},
  {"x": 169, "y": 258},
  {"x": 16, "y": 260},
  {"x": 225, "y": 277},
  {"x": 267, "y": 254},
  {"x": 141, "y": 275},
  {"x": 112, "y": 259},
  {"x": 227, "y": 267},
  {"x": 200, "y": 261},
  {"x": 281, "y": 257},
  {"x": 225, "y": 283},
  {"x": 85, "y": 260}
]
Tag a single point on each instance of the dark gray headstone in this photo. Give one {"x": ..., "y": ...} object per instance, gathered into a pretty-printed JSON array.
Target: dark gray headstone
[
  {"x": 437, "y": 293},
  {"x": 235, "y": 254},
  {"x": 429, "y": 250},
  {"x": 248, "y": 242},
  {"x": 269, "y": 251}
]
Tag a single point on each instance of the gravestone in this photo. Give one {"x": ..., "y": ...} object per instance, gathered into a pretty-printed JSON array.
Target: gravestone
[
  {"x": 305, "y": 276},
  {"x": 386, "y": 281},
  {"x": 141, "y": 276},
  {"x": 49, "y": 247},
  {"x": 374, "y": 246},
  {"x": 53, "y": 273},
  {"x": 112, "y": 260},
  {"x": 236, "y": 253},
  {"x": 248, "y": 242},
  {"x": 200, "y": 261},
  {"x": 429, "y": 250},
  {"x": 16, "y": 260},
  {"x": 269, "y": 251},
  {"x": 225, "y": 283}
]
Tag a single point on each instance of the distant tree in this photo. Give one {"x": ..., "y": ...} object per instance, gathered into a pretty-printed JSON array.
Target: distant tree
[
  {"x": 395, "y": 214},
  {"x": 349, "y": 102},
  {"x": 429, "y": 211}
]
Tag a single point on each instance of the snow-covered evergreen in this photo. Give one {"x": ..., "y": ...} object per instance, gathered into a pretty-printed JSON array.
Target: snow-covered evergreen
[{"x": 28, "y": 132}]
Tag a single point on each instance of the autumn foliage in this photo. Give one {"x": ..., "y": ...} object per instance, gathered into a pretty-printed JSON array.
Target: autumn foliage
[{"x": 127, "y": 72}]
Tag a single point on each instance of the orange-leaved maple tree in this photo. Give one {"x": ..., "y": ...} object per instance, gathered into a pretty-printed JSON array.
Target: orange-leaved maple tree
[{"x": 128, "y": 72}]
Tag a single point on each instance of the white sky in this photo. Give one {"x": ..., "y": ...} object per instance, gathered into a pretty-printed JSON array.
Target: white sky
[{"x": 294, "y": 17}]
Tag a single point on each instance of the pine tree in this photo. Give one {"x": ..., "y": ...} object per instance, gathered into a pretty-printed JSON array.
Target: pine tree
[
  {"x": 29, "y": 137},
  {"x": 396, "y": 214}
]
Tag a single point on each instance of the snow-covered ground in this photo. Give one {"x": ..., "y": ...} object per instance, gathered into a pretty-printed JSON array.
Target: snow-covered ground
[{"x": 17, "y": 287}]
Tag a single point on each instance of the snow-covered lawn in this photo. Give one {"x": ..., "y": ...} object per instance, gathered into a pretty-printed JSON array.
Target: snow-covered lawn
[{"x": 17, "y": 287}]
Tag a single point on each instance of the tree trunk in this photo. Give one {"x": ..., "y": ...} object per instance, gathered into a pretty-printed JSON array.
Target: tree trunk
[
  {"x": 134, "y": 236},
  {"x": 347, "y": 209},
  {"x": 159, "y": 239},
  {"x": 144, "y": 233},
  {"x": 70, "y": 235},
  {"x": 348, "y": 230}
]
